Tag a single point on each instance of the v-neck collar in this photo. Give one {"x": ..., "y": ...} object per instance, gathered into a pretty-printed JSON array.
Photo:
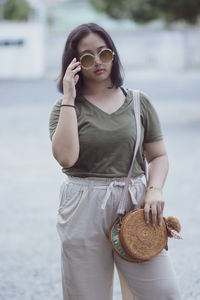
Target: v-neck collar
[{"x": 104, "y": 112}]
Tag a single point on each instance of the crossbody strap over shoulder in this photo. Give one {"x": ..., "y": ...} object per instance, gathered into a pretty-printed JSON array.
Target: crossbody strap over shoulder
[{"x": 124, "y": 196}]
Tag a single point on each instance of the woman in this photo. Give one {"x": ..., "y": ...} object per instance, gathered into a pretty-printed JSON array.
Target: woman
[{"x": 93, "y": 136}]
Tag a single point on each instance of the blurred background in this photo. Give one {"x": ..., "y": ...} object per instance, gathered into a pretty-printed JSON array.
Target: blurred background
[{"x": 159, "y": 46}]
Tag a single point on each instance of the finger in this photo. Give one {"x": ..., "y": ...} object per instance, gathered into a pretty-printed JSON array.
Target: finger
[
  {"x": 146, "y": 212},
  {"x": 76, "y": 78},
  {"x": 71, "y": 67},
  {"x": 160, "y": 213},
  {"x": 71, "y": 73},
  {"x": 142, "y": 203},
  {"x": 77, "y": 69},
  {"x": 154, "y": 213},
  {"x": 74, "y": 61},
  {"x": 74, "y": 65}
]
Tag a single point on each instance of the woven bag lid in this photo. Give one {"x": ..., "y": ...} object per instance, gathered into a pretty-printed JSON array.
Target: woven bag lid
[{"x": 141, "y": 240}]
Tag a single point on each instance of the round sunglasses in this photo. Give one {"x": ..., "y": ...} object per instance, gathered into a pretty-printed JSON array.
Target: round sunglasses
[{"x": 87, "y": 60}]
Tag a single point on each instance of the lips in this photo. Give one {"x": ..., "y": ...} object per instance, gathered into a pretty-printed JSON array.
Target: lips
[{"x": 100, "y": 71}]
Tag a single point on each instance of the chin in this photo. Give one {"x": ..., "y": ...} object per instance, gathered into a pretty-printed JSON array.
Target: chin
[{"x": 104, "y": 76}]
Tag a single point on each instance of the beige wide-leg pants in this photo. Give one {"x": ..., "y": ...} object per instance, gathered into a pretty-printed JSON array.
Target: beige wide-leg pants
[{"x": 88, "y": 207}]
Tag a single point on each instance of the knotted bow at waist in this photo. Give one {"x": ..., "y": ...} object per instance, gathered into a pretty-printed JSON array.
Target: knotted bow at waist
[{"x": 136, "y": 185}]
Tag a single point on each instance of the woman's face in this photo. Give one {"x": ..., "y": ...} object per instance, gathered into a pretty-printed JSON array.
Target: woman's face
[{"x": 93, "y": 44}]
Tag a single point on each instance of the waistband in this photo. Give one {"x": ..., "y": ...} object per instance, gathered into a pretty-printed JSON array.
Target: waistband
[
  {"x": 109, "y": 184},
  {"x": 98, "y": 181}
]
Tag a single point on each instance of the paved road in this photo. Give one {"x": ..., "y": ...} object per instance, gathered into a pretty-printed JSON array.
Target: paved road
[{"x": 30, "y": 179}]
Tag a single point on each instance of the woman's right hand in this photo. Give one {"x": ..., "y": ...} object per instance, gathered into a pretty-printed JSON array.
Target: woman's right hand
[{"x": 70, "y": 80}]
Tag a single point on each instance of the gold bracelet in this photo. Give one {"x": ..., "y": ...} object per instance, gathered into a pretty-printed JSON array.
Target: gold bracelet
[{"x": 152, "y": 187}]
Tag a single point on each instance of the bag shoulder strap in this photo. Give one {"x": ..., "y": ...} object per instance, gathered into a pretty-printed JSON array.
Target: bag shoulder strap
[{"x": 136, "y": 104}]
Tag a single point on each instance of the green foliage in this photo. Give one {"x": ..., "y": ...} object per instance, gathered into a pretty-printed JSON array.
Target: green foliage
[
  {"x": 143, "y": 11},
  {"x": 16, "y": 10},
  {"x": 180, "y": 10}
]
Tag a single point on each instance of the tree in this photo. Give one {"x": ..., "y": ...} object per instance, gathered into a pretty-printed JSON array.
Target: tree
[
  {"x": 143, "y": 11},
  {"x": 16, "y": 10}
]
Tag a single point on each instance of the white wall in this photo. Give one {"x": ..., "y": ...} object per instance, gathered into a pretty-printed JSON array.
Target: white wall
[{"x": 26, "y": 60}]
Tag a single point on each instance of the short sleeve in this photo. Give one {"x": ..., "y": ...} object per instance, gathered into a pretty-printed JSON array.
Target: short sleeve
[
  {"x": 150, "y": 120},
  {"x": 53, "y": 119}
]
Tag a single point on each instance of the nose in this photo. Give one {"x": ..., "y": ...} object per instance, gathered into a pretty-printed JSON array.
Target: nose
[{"x": 97, "y": 60}]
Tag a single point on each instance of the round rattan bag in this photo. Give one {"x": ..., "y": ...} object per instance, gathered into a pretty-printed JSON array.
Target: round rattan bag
[{"x": 134, "y": 240}]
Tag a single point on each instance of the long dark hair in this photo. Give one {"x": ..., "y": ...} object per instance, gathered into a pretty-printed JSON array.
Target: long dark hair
[{"x": 70, "y": 51}]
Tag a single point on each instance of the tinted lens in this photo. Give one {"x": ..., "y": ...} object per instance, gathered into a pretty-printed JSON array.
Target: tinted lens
[
  {"x": 106, "y": 55},
  {"x": 87, "y": 61}
]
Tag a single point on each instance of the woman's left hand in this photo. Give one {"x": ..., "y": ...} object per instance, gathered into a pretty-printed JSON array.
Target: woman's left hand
[{"x": 153, "y": 204}]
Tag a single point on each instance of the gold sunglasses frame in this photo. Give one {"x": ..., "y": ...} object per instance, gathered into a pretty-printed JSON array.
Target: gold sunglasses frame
[{"x": 96, "y": 55}]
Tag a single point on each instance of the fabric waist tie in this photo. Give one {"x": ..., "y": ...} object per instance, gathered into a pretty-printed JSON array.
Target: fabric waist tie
[
  {"x": 109, "y": 184},
  {"x": 121, "y": 184}
]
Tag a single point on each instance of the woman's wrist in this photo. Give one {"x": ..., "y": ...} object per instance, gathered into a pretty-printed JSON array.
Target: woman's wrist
[
  {"x": 152, "y": 187},
  {"x": 70, "y": 101},
  {"x": 67, "y": 105}
]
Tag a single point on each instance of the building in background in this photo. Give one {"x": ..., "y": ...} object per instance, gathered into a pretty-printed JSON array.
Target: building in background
[
  {"x": 33, "y": 48},
  {"x": 22, "y": 40},
  {"x": 148, "y": 48}
]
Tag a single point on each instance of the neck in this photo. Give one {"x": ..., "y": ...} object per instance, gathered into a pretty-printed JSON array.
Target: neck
[{"x": 96, "y": 88}]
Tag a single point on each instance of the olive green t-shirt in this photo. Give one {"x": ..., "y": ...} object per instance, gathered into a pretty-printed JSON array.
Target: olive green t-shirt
[{"x": 107, "y": 141}]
